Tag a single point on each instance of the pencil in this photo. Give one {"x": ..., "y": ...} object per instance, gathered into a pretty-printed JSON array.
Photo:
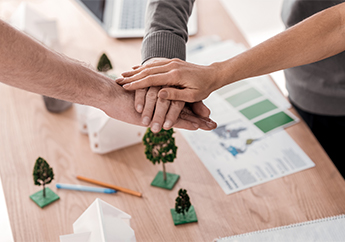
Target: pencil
[
  {"x": 122, "y": 189},
  {"x": 84, "y": 188}
]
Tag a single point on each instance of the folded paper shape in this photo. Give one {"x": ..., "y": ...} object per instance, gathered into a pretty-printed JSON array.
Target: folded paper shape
[
  {"x": 45, "y": 30},
  {"x": 33, "y": 23},
  {"x": 106, "y": 134},
  {"x": 101, "y": 222}
]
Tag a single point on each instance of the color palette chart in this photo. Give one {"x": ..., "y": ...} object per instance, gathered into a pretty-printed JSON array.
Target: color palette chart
[{"x": 256, "y": 106}]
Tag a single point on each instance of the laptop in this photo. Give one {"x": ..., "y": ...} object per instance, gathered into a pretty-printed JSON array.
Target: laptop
[{"x": 125, "y": 18}]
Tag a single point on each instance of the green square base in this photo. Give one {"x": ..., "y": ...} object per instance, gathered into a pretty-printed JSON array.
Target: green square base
[
  {"x": 189, "y": 217},
  {"x": 44, "y": 201},
  {"x": 168, "y": 184}
]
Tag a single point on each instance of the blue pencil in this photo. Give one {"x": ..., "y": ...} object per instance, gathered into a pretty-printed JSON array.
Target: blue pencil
[{"x": 84, "y": 188}]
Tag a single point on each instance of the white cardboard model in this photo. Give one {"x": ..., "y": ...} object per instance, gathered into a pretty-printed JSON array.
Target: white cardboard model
[
  {"x": 31, "y": 22},
  {"x": 101, "y": 222},
  {"x": 106, "y": 134}
]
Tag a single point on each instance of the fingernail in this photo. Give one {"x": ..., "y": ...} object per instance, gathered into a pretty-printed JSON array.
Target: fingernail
[
  {"x": 146, "y": 121},
  {"x": 126, "y": 74},
  {"x": 167, "y": 124},
  {"x": 196, "y": 125},
  {"x": 127, "y": 85},
  {"x": 211, "y": 124},
  {"x": 120, "y": 79},
  {"x": 163, "y": 94},
  {"x": 139, "y": 108},
  {"x": 156, "y": 128}
]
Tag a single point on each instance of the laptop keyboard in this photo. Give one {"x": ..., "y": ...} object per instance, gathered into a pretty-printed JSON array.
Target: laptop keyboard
[{"x": 133, "y": 14}]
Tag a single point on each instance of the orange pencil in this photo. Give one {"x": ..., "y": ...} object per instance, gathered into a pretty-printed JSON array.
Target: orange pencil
[{"x": 109, "y": 186}]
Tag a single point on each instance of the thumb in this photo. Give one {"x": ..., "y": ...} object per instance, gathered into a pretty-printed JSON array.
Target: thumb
[{"x": 176, "y": 94}]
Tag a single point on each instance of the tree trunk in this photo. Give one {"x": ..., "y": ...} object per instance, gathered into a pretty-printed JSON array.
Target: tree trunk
[
  {"x": 164, "y": 173},
  {"x": 44, "y": 190}
]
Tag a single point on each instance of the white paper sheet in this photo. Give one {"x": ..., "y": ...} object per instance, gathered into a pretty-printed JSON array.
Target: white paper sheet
[
  {"x": 238, "y": 160},
  {"x": 247, "y": 148},
  {"x": 319, "y": 230}
]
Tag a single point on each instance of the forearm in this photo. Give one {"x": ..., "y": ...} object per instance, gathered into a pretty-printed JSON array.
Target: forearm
[
  {"x": 166, "y": 29},
  {"x": 26, "y": 64},
  {"x": 316, "y": 38}
]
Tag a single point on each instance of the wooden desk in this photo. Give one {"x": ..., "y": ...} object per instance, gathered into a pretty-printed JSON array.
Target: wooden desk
[{"x": 28, "y": 131}]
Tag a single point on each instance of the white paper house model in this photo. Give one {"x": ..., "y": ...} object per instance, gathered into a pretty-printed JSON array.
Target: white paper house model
[
  {"x": 28, "y": 20},
  {"x": 106, "y": 134},
  {"x": 101, "y": 222}
]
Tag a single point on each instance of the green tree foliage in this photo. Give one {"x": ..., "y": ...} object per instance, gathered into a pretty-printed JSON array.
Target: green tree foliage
[
  {"x": 160, "y": 147},
  {"x": 182, "y": 203},
  {"x": 104, "y": 64},
  {"x": 43, "y": 173}
]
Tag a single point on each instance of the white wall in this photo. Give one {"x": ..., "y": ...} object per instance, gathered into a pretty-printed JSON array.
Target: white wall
[{"x": 258, "y": 21}]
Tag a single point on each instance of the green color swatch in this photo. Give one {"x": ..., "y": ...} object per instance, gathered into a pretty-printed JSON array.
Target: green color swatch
[
  {"x": 243, "y": 97},
  {"x": 170, "y": 182},
  {"x": 257, "y": 109},
  {"x": 231, "y": 87},
  {"x": 274, "y": 121},
  {"x": 179, "y": 218},
  {"x": 44, "y": 201}
]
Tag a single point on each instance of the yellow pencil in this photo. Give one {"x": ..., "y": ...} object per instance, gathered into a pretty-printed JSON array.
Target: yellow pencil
[{"x": 109, "y": 186}]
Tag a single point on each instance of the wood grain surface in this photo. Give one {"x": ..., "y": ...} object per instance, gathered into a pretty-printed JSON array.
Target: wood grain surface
[{"x": 28, "y": 130}]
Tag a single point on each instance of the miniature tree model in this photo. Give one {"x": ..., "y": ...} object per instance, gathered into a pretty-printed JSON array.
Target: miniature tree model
[
  {"x": 182, "y": 204},
  {"x": 160, "y": 147},
  {"x": 104, "y": 63},
  {"x": 43, "y": 174},
  {"x": 184, "y": 211}
]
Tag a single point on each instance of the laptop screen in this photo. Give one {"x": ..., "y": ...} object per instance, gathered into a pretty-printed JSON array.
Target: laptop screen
[{"x": 96, "y": 7}]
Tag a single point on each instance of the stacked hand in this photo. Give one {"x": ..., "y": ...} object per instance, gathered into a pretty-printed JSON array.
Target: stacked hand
[
  {"x": 123, "y": 101},
  {"x": 158, "y": 111},
  {"x": 181, "y": 80}
]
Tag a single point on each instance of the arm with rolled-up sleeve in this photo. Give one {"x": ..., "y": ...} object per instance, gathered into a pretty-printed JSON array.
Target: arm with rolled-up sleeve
[
  {"x": 166, "y": 30},
  {"x": 166, "y": 34}
]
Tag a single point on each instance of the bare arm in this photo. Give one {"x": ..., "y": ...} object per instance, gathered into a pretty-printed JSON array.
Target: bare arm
[
  {"x": 314, "y": 39},
  {"x": 318, "y": 37},
  {"x": 26, "y": 64}
]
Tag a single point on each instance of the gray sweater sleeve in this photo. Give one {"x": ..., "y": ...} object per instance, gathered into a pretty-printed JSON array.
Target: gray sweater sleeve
[{"x": 166, "y": 30}]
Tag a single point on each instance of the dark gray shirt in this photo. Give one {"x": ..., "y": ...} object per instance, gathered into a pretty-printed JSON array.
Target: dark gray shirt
[
  {"x": 166, "y": 30},
  {"x": 317, "y": 88}
]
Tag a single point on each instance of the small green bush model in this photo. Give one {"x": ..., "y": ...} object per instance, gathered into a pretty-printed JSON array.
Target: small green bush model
[
  {"x": 182, "y": 204},
  {"x": 104, "y": 63}
]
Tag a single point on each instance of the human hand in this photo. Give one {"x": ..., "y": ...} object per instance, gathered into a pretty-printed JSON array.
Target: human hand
[
  {"x": 119, "y": 104},
  {"x": 188, "y": 82},
  {"x": 158, "y": 112}
]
